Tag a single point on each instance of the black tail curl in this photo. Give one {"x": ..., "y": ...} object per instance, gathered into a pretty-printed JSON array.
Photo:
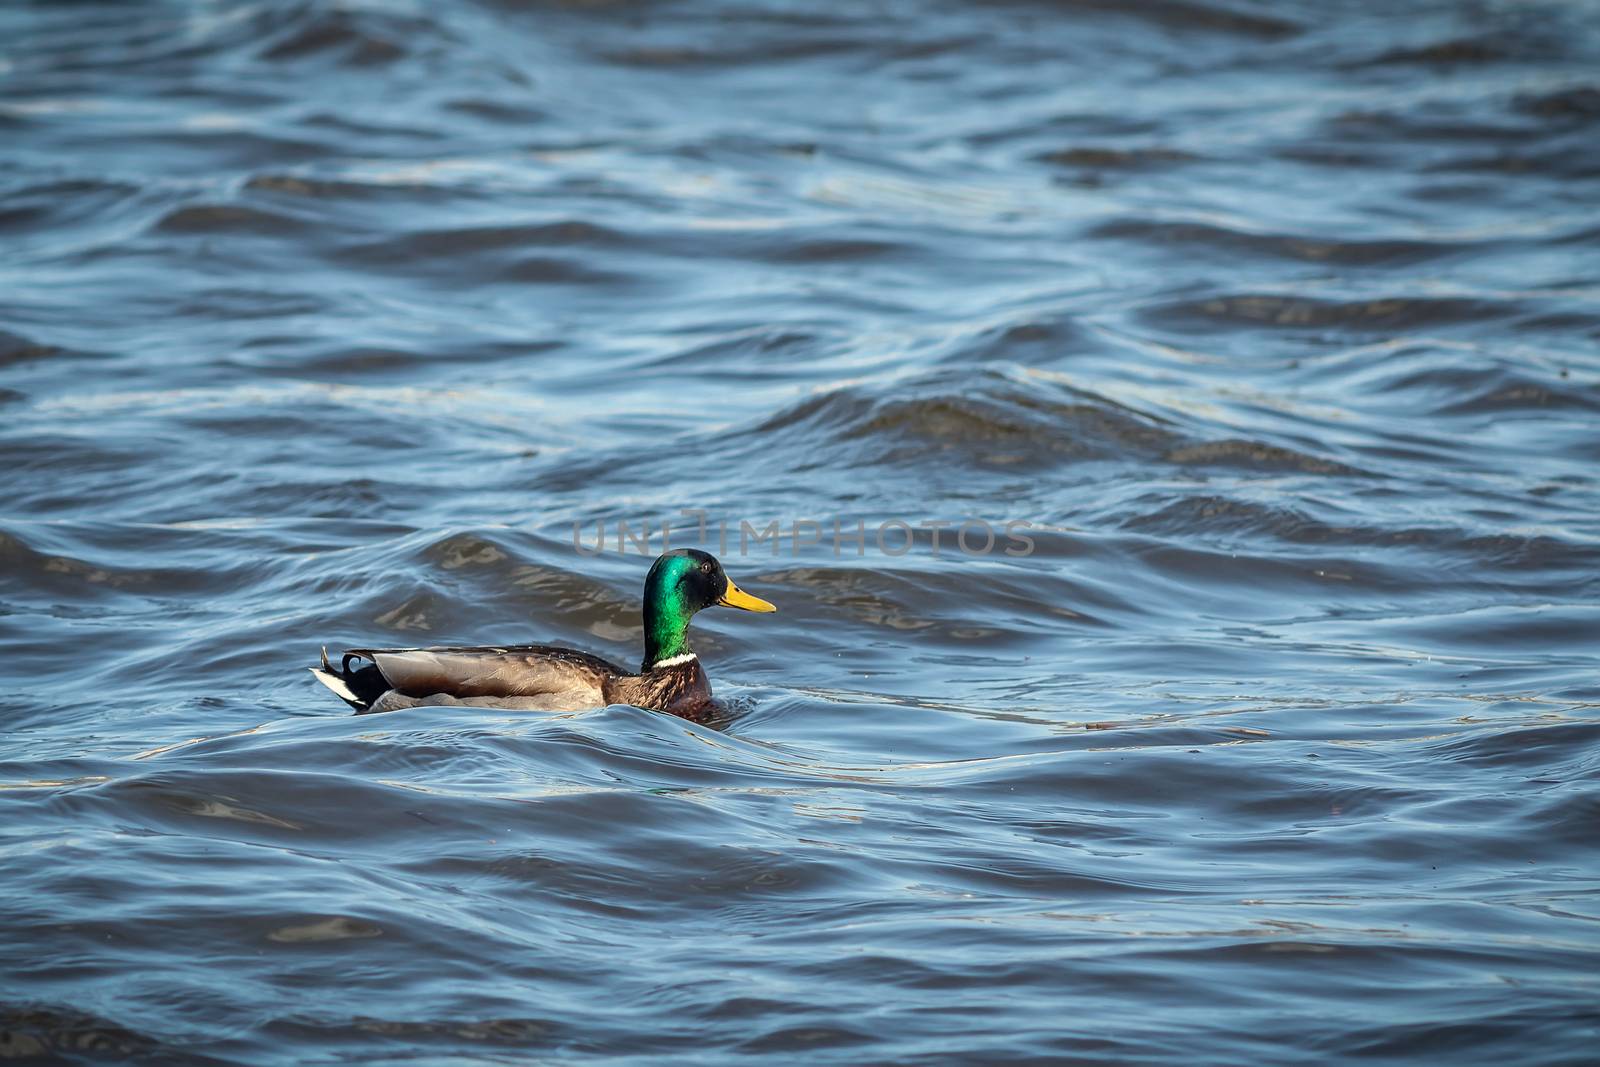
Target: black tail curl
[{"x": 366, "y": 684}]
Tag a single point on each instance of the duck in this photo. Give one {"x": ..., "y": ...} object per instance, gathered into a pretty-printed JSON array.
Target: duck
[{"x": 681, "y": 582}]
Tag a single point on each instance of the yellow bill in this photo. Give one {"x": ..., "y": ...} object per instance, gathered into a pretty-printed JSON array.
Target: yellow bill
[{"x": 738, "y": 598}]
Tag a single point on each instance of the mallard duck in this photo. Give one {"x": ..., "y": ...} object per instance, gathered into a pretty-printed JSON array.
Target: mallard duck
[{"x": 551, "y": 678}]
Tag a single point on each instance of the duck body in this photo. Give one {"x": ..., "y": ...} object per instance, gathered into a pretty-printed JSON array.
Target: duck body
[
  {"x": 516, "y": 677},
  {"x": 550, "y": 677}
]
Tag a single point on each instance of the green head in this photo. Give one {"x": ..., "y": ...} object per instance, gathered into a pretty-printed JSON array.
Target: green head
[{"x": 680, "y": 583}]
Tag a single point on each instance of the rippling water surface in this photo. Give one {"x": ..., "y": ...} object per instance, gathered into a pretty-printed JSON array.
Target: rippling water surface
[{"x": 325, "y": 323}]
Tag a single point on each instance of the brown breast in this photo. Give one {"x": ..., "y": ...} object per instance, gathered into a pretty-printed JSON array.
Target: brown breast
[{"x": 681, "y": 689}]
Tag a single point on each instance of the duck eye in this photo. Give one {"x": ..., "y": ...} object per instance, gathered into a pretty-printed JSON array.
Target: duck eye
[{"x": 705, "y": 568}]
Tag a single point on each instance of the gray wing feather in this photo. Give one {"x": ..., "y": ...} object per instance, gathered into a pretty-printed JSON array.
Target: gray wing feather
[
  {"x": 395, "y": 701},
  {"x": 569, "y": 677}
]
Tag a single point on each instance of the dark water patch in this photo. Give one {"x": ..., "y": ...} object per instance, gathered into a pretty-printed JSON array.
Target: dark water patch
[
  {"x": 1576, "y": 104},
  {"x": 48, "y": 206},
  {"x": 1087, "y": 158},
  {"x": 520, "y": 115},
  {"x": 287, "y": 807},
  {"x": 330, "y": 498},
  {"x": 17, "y": 348},
  {"x": 1583, "y": 236},
  {"x": 1462, "y": 50},
  {"x": 1430, "y": 126},
  {"x": 1230, "y": 242},
  {"x": 230, "y": 304},
  {"x": 835, "y": 251},
  {"x": 302, "y": 356},
  {"x": 1085, "y": 125},
  {"x": 1493, "y": 1031},
  {"x": 1563, "y": 324},
  {"x": 1220, "y": 518},
  {"x": 1024, "y": 422},
  {"x": 351, "y": 37},
  {"x": 750, "y": 354},
  {"x": 667, "y": 56},
  {"x": 1335, "y": 154},
  {"x": 1296, "y": 312},
  {"x": 1034, "y": 341},
  {"x": 1418, "y": 377},
  {"x": 370, "y": 132},
  {"x": 27, "y": 569},
  {"x": 996, "y": 422},
  {"x": 35, "y": 1033},
  {"x": 1255, "y": 455},
  {"x": 404, "y": 1037},
  {"x": 932, "y": 608},
  {"x": 1509, "y": 391},
  {"x": 800, "y": 1039},
  {"x": 361, "y": 362},
  {"x": 546, "y": 270},
  {"x": 29, "y": 463},
  {"x": 764, "y": 34},
  {"x": 232, "y": 148},
  {"x": 1567, "y": 164},
  {"x": 1445, "y": 378},
  {"x": 84, "y": 562},
  {"x": 1327, "y": 577},
  {"x": 492, "y": 253},
  {"x": 166, "y": 802},
  {"x": 228, "y": 219},
  {"x": 88, "y": 44},
  {"x": 1516, "y": 625},
  {"x": 1240, "y": 20},
  {"x": 314, "y": 186},
  {"x": 1566, "y": 821}
]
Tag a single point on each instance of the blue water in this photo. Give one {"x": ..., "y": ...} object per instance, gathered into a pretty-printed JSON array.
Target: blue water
[{"x": 330, "y": 323}]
